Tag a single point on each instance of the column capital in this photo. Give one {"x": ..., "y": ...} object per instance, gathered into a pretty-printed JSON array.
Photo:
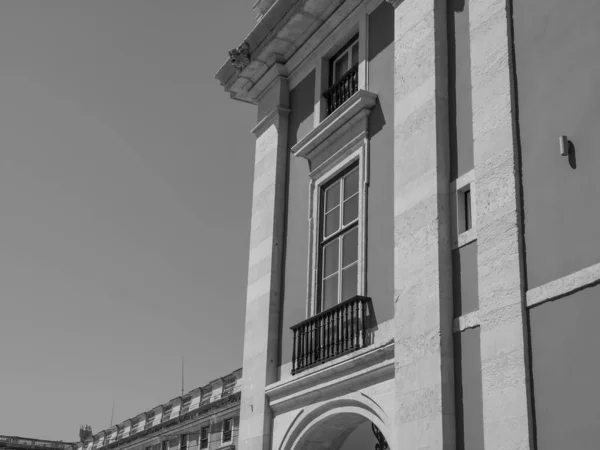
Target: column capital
[{"x": 274, "y": 117}]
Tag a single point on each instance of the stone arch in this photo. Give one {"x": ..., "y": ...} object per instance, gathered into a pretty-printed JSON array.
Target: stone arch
[{"x": 327, "y": 425}]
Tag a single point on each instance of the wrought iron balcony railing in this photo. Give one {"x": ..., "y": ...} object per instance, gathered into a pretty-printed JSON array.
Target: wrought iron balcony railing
[
  {"x": 342, "y": 90},
  {"x": 330, "y": 334}
]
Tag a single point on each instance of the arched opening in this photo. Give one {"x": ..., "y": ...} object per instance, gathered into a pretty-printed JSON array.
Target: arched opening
[{"x": 342, "y": 431}]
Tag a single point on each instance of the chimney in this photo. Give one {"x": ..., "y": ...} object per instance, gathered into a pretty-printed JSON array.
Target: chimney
[{"x": 85, "y": 433}]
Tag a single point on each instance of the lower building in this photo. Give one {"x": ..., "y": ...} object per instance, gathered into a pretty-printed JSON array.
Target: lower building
[
  {"x": 205, "y": 418},
  {"x": 21, "y": 443}
]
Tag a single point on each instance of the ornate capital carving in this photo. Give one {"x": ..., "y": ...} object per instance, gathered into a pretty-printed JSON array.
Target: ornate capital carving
[{"x": 240, "y": 57}]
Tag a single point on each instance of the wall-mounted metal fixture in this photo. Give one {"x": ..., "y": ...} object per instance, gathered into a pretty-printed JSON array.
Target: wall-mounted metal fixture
[{"x": 564, "y": 145}]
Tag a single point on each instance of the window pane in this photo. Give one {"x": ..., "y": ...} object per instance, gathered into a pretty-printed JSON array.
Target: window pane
[
  {"x": 350, "y": 210},
  {"x": 349, "y": 282},
  {"x": 354, "y": 54},
  {"x": 351, "y": 184},
  {"x": 330, "y": 292},
  {"x": 330, "y": 258},
  {"x": 332, "y": 196},
  {"x": 332, "y": 221},
  {"x": 350, "y": 247},
  {"x": 341, "y": 67}
]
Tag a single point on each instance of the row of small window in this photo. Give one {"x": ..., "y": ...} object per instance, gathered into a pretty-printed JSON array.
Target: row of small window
[
  {"x": 228, "y": 389},
  {"x": 185, "y": 442}
]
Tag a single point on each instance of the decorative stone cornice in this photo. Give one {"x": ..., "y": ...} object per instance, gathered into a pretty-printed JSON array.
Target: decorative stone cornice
[
  {"x": 345, "y": 117},
  {"x": 283, "y": 27}
]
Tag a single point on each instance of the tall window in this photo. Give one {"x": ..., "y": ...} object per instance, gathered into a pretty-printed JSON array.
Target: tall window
[
  {"x": 227, "y": 426},
  {"x": 165, "y": 445},
  {"x": 183, "y": 442},
  {"x": 339, "y": 240},
  {"x": 204, "y": 434},
  {"x": 344, "y": 60}
]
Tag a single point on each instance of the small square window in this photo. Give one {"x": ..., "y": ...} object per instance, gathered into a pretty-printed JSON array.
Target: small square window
[
  {"x": 167, "y": 413},
  {"x": 464, "y": 210},
  {"x": 150, "y": 419},
  {"x": 206, "y": 395},
  {"x": 185, "y": 405},
  {"x": 228, "y": 386}
]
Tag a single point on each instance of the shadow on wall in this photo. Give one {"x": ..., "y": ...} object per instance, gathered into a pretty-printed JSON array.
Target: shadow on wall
[
  {"x": 572, "y": 156},
  {"x": 376, "y": 119}
]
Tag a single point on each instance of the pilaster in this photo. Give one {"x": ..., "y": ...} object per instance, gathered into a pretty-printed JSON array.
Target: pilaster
[
  {"x": 422, "y": 262},
  {"x": 506, "y": 412},
  {"x": 261, "y": 339}
]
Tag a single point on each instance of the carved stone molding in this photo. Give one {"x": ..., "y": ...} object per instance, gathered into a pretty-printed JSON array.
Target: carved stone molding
[{"x": 240, "y": 57}]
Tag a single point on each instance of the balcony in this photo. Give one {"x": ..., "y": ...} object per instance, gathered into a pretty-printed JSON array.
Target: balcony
[
  {"x": 342, "y": 90},
  {"x": 330, "y": 334}
]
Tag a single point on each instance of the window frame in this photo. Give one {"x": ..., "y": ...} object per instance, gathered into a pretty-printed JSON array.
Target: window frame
[
  {"x": 150, "y": 418},
  {"x": 354, "y": 154},
  {"x": 183, "y": 441},
  {"x": 338, "y": 235},
  {"x": 205, "y": 396},
  {"x": 207, "y": 439},
  {"x": 227, "y": 420},
  {"x": 167, "y": 413},
  {"x": 345, "y": 50},
  {"x": 228, "y": 386},
  {"x": 186, "y": 402}
]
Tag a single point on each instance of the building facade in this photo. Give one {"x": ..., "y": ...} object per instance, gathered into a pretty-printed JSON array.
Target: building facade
[
  {"x": 21, "y": 443},
  {"x": 205, "y": 418},
  {"x": 425, "y": 244}
]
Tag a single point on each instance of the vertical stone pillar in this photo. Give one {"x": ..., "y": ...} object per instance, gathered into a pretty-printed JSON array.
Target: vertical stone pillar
[
  {"x": 261, "y": 338},
  {"x": 506, "y": 414},
  {"x": 422, "y": 260}
]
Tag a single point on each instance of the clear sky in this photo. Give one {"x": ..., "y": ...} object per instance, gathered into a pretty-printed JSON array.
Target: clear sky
[{"x": 125, "y": 200}]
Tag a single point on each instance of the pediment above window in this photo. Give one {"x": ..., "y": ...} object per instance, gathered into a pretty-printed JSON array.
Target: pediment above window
[{"x": 350, "y": 117}]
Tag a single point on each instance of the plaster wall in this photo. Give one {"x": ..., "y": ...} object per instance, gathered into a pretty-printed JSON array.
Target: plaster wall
[
  {"x": 469, "y": 402},
  {"x": 565, "y": 339},
  {"x": 380, "y": 214},
  {"x": 459, "y": 88},
  {"x": 464, "y": 267},
  {"x": 302, "y": 109},
  {"x": 293, "y": 308},
  {"x": 557, "y": 47}
]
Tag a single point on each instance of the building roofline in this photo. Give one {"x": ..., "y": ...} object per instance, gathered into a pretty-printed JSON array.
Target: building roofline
[{"x": 96, "y": 435}]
